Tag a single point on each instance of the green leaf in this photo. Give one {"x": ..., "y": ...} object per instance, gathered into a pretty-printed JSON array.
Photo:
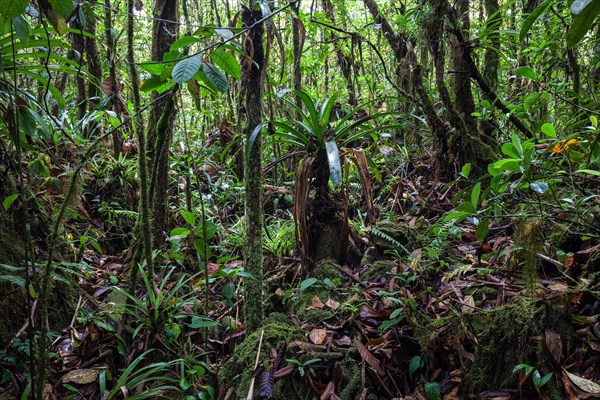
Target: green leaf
[
  {"x": 178, "y": 233},
  {"x": 252, "y": 139},
  {"x": 414, "y": 364},
  {"x": 589, "y": 171},
  {"x": 466, "y": 170},
  {"x": 32, "y": 292},
  {"x": 206, "y": 230},
  {"x": 58, "y": 21},
  {"x": 202, "y": 248},
  {"x": 201, "y": 322},
  {"x": 458, "y": 216},
  {"x": 155, "y": 68},
  {"x": 307, "y": 283},
  {"x": 466, "y": 206},
  {"x": 432, "y": 390},
  {"x": 184, "y": 41},
  {"x": 508, "y": 164},
  {"x": 151, "y": 83},
  {"x": 548, "y": 130},
  {"x": 582, "y": 21},
  {"x": 188, "y": 217},
  {"x": 12, "y": 8},
  {"x": 227, "y": 62},
  {"x": 216, "y": 77},
  {"x": 63, "y": 7},
  {"x": 579, "y": 5},
  {"x": 186, "y": 69},
  {"x": 22, "y": 29},
  {"x": 224, "y": 33},
  {"x": 7, "y": 202},
  {"x": 526, "y": 367},
  {"x": 475, "y": 194},
  {"x": 228, "y": 290},
  {"x": 531, "y": 18},
  {"x": 335, "y": 166},
  {"x": 539, "y": 187},
  {"x": 482, "y": 229},
  {"x": 527, "y": 72}
]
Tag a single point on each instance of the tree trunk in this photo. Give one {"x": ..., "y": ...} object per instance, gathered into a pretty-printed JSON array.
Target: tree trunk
[
  {"x": 463, "y": 97},
  {"x": 252, "y": 90},
  {"x": 344, "y": 62},
  {"x": 165, "y": 30},
  {"x": 297, "y": 46}
]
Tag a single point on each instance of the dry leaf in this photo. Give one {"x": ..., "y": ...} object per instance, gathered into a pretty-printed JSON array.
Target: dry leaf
[
  {"x": 367, "y": 356},
  {"x": 584, "y": 384},
  {"x": 343, "y": 341},
  {"x": 554, "y": 344},
  {"x": 315, "y": 303},
  {"x": 81, "y": 376},
  {"x": 332, "y": 304},
  {"x": 318, "y": 335},
  {"x": 468, "y": 304}
]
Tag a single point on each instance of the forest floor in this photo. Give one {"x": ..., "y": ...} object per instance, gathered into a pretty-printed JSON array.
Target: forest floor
[{"x": 414, "y": 315}]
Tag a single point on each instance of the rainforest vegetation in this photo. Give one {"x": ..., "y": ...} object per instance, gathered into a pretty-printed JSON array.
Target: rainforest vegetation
[{"x": 324, "y": 199}]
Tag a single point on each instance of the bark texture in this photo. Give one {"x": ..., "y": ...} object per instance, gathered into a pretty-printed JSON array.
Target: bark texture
[{"x": 252, "y": 91}]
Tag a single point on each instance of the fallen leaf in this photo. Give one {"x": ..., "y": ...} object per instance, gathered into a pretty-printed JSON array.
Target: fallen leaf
[
  {"x": 81, "y": 376},
  {"x": 343, "y": 341},
  {"x": 315, "y": 303},
  {"x": 367, "y": 356},
  {"x": 332, "y": 304},
  {"x": 468, "y": 304},
  {"x": 554, "y": 344},
  {"x": 584, "y": 384},
  {"x": 318, "y": 335},
  {"x": 329, "y": 391}
]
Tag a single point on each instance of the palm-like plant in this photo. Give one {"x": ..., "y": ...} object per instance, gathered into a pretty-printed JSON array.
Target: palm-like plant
[{"x": 320, "y": 217}]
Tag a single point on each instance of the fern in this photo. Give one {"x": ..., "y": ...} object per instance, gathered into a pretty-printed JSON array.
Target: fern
[
  {"x": 11, "y": 268},
  {"x": 382, "y": 235},
  {"x": 13, "y": 279},
  {"x": 125, "y": 213}
]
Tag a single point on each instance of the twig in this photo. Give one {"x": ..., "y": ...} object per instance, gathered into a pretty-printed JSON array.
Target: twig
[{"x": 251, "y": 388}]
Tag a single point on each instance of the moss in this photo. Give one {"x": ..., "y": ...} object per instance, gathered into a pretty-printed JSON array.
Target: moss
[
  {"x": 528, "y": 242},
  {"x": 304, "y": 301},
  {"x": 352, "y": 379},
  {"x": 402, "y": 234},
  {"x": 328, "y": 269},
  {"x": 239, "y": 368},
  {"x": 504, "y": 337},
  {"x": 379, "y": 269}
]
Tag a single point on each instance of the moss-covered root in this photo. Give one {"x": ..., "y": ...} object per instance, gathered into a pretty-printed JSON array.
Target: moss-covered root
[{"x": 239, "y": 368}]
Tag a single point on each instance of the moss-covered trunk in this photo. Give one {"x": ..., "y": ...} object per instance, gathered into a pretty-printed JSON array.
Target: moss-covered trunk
[
  {"x": 165, "y": 30},
  {"x": 252, "y": 89}
]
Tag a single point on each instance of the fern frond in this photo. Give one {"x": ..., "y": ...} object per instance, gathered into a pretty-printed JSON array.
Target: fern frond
[
  {"x": 13, "y": 279},
  {"x": 125, "y": 213},
  {"x": 382, "y": 235}
]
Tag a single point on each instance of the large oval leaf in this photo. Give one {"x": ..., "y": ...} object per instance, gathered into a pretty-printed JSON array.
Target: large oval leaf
[
  {"x": 227, "y": 63},
  {"x": 216, "y": 77},
  {"x": 12, "y": 8},
  {"x": 587, "y": 13},
  {"x": 63, "y": 7},
  {"x": 534, "y": 17},
  {"x": 335, "y": 166},
  {"x": 186, "y": 69}
]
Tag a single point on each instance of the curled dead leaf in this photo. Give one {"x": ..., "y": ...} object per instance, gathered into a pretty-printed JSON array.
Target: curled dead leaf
[
  {"x": 332, "y": 304},
  {"x": 315, "y": 302}
]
